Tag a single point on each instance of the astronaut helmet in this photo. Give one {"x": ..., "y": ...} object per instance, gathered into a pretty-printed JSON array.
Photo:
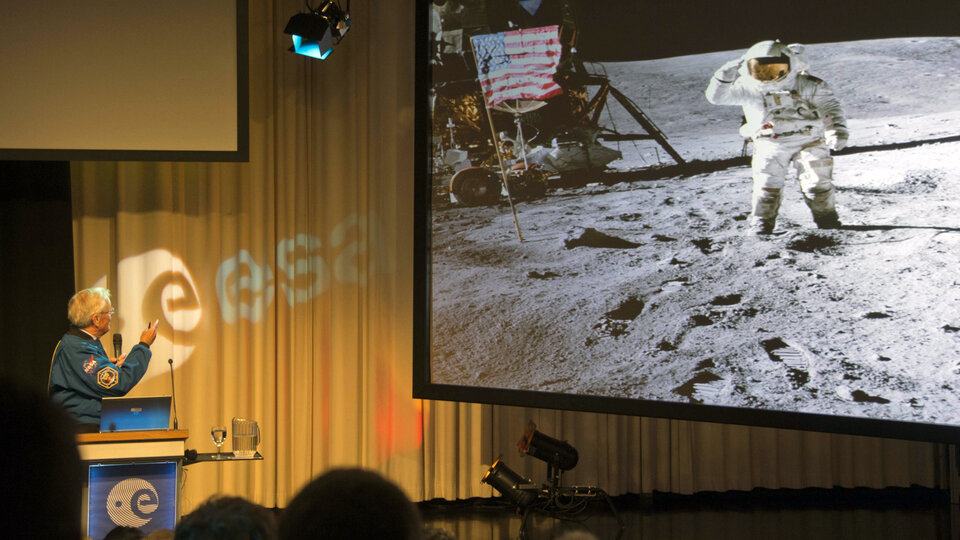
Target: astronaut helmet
[{"x": 768, "y": 61}]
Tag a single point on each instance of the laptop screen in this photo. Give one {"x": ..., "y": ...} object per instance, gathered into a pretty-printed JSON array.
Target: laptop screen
[{"x": 135, "y": 414}]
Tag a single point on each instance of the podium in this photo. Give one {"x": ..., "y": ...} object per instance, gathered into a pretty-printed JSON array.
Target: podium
[{"x": 132, "y": 479}]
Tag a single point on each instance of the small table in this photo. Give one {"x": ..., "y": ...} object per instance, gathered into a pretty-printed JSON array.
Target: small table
[{"x": 222, "y": 456}]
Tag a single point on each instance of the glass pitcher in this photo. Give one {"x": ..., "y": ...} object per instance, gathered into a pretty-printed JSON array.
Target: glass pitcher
[{"x": 246, "y": 437}]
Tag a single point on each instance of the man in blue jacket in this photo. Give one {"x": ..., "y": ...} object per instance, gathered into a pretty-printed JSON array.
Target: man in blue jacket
[{"x": 82, "y": 373}]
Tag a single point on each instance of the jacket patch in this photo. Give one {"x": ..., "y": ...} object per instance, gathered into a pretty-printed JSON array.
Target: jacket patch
[
  {"x": 89, "y": 365},
  {"x": 108, "y": 377}
]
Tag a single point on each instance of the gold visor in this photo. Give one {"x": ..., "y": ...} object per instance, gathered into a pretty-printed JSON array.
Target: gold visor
[{"x": 763, "y": 70}]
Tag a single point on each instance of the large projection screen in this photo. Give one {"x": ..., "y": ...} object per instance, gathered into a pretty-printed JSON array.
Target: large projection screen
[
  {"x": 124, "y": 80},
  {"x": 619, "y": 275}
]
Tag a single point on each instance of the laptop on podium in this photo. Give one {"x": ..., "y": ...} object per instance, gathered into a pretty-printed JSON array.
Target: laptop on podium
[{"x": 135, "y": 414}]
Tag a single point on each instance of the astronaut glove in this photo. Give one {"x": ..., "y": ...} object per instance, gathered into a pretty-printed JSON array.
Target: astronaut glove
[
  {"x": 836, "y": 139},
  {"x": 729, "y": 71}
]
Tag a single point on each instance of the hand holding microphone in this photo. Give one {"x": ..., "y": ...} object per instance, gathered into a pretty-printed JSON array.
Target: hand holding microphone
[{"x": 117, "y": 349}]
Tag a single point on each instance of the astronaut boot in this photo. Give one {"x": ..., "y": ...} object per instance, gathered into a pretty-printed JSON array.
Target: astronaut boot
[
  {"x": 761, "y": 226},
  {"x": 765, "y": 206},
  {"x": 822, "y": 205},
  {"x": 827, "y": 220}
]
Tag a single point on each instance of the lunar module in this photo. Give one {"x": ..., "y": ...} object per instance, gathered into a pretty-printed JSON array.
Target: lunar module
[{"x": 517, "y": 148}]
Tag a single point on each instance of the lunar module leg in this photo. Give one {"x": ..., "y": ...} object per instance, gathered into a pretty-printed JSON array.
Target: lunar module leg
[
  {"x": 600, "y": 100},
  {"x": 647, "y": 124}
]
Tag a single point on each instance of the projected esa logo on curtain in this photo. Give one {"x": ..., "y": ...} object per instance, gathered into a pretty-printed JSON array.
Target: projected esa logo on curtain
[
  {"x": 246, "y": 287},
  {"x": 139, "y": 495}
]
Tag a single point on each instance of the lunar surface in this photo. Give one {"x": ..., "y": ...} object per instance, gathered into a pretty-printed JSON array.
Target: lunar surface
[{"x": 651, "y": 289}]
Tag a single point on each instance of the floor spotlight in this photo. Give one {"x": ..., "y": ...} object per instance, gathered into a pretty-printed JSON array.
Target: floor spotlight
[
  {"x": 521, "y": 491},
  {"x": 553, "y": 498},
  {"x": 556, "y": 453},
  {"x": 315, "y": 33}
]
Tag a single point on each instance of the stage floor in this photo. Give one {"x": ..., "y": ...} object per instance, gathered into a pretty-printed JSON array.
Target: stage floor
[{"x": 848, "y": 514}]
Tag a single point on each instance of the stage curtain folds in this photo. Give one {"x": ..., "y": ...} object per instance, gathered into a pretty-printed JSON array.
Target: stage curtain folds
[{"x": 283, "y": 290}]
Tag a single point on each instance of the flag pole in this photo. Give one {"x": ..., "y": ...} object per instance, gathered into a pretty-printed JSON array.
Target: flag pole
[{"x": 496, "y": 148}]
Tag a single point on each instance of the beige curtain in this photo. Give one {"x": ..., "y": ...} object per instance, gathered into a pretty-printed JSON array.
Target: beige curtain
[{"x": 283, "y": 287}]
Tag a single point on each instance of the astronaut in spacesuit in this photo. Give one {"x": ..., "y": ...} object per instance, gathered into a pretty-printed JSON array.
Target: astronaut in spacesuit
[{"x": 792, "y": 117}]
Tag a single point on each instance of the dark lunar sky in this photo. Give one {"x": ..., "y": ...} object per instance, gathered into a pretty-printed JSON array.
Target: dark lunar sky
[{"x": 632, "y": 30}]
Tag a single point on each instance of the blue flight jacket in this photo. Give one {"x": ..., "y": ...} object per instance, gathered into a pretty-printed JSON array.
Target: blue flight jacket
[{"x": 81, "y": 374}]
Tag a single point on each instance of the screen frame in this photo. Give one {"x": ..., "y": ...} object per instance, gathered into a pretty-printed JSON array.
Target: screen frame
[
  {"x": 240, "y": 154},
  {"x": 423, "y": 388}
]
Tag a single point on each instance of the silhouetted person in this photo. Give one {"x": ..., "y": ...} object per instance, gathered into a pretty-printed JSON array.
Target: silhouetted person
[
  {"x": 124, "y": 533},
  {"x": 227, "y": 518},
  {"x": 41, "y": 479},
  {"x": 350, "y": 504}
]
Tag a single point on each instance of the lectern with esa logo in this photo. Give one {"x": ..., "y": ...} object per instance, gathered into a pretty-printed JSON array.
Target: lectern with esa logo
[{"x": 132, "y": 479}]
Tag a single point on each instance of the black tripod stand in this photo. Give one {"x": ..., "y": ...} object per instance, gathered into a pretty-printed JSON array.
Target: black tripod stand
[{"x": 565, "y": 503}]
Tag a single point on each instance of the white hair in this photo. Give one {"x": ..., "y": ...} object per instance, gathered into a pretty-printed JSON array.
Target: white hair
[{"x": 85, "y": 304}]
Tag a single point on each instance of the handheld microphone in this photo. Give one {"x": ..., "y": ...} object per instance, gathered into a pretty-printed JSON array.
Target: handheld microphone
[
  {"x": 173, "y": 392},
  {"x": 117, "y": 345}
]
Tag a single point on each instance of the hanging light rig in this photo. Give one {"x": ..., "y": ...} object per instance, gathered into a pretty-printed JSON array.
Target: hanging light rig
[{"x": 316, "y": 32}]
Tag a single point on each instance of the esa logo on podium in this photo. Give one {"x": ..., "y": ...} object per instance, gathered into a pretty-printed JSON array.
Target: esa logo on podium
[
  {"x": 132, "y": 502},
  {"x": 138, "y": 495}
]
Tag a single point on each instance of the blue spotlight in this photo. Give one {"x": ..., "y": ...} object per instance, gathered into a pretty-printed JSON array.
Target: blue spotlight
[{"x": 314, "y": 34}]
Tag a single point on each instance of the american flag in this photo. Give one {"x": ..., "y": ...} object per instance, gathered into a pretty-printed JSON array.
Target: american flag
[{"x": 518, "y": 64}]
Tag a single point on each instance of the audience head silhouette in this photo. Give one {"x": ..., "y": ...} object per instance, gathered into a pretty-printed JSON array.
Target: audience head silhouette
[
  {"x": 40, "y": 471},
  {"x": 124, "y": 533},
  {"x": 227, "y": 518},
  {"x": 160, "y": 534},
  {"x": 350, "y": 504}
]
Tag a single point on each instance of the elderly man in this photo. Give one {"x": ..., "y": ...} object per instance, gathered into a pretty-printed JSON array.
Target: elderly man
[{"x": 82, "y": 373}]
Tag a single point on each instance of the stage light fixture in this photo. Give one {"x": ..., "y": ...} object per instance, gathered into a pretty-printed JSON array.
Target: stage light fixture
[
  {"x": 553, "y": 498},
  {"x": 315, "y": 33},
  {"x": 556, "y": 453},
  {"x": 521, "y": 491}
]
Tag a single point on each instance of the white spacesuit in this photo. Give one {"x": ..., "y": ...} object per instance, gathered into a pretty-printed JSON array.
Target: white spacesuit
[{"x": 792, "y": 117}]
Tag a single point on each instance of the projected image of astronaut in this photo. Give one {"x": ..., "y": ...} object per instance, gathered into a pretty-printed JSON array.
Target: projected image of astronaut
[{"x": 793, "y": 119}]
